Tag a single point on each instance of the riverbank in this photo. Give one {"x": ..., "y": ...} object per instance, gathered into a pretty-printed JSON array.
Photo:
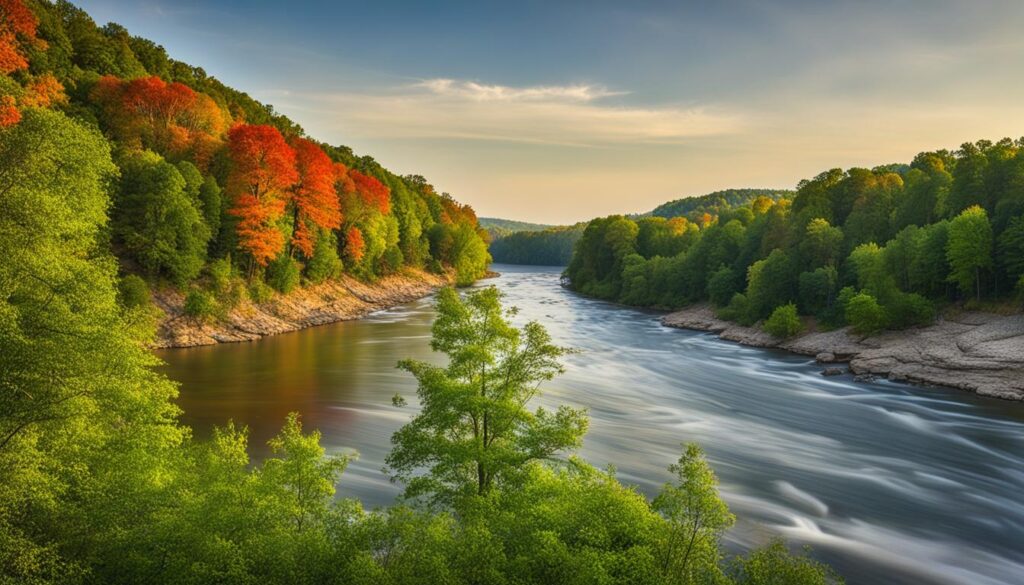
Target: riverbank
[
  {"x": 342, "y": 299},
  {"x": 978, "y": 352}
]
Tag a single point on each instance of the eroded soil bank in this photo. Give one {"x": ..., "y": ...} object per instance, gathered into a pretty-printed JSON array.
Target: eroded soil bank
[
  {"x": 979, "y": 352},
  {"x": 337, "y": 300}
]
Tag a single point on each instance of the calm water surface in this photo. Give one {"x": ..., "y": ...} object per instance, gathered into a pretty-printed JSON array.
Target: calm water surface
[{"x": 889, "y": 483}]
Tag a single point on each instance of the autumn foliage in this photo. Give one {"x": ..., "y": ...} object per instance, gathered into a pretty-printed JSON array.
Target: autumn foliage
[
  {"x": 262, "y": 172},
  {"x": 313, "y": 196},
  {"x": 371, "y": 191},
  {"x": 355, "y": 246},
  {"x": 169, "y": 118},
  {"x": 17, "y": 32}
]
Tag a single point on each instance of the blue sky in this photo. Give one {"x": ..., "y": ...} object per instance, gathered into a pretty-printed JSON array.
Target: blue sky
[{"x": 561, "y": 111}]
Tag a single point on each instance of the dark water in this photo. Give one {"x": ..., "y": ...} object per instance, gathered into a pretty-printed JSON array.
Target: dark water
[{"x": 889, "y": 483}]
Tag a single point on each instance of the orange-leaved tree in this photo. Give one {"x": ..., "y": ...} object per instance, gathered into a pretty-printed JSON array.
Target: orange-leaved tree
[
  {"x": 314, "y": 201},
  {"x": 262, "y": 173},
  {"x": 17, "y": 33}
]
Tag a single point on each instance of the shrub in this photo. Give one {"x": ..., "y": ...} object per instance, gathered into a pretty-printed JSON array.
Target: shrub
[
  {"x": 220, "y": 272},
  {"x": 201, "y": 305},
  {"x": 283, "y": 274},
  {"x": 865, "y": 314},
  {"x": 784, "y": 322},
  {"x": 907, "y": 310},
  {"x": 260, "y": 292},
  {"x": 737, "y": 310},
  {"x": 133, "y": 292}
]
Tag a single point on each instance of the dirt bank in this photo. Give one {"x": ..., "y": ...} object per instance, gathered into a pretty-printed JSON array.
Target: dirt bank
[
  {"x": 338, "y": 300},
  {"x": 979, "y": 352}
]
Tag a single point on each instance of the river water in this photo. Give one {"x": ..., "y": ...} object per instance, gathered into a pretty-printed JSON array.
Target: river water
[{"x": 890, "y": 483}]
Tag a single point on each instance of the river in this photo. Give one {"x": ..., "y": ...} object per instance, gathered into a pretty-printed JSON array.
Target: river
[{"x": 889, "y": 483}]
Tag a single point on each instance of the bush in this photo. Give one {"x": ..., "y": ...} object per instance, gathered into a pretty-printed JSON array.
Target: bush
[
  {"x": 865, "y": 314},
  {"x": 260, "y": 292},
  {"x": 907, "y": 310},
  {"x": 325, "y": 263},
  {"x": 201, "y": 305},
  {"x": 283, "y": 274},
  {"x": 737, "y": 310},
  {"x": 784, "y": 322},
  {"x": 220, "y": 272},
  {"x": 133, "y": 292}
]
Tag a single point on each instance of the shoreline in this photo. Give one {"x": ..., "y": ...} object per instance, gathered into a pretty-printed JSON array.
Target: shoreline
[
  {"x": 342, "y": 299},
  {"x": 978, "y": 352}
]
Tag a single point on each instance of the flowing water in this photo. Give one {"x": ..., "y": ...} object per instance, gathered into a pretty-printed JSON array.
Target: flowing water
[{"x": 890, "y": 483}]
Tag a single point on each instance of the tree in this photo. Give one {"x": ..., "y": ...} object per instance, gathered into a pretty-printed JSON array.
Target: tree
[
  {"x": 784, "y": 322},
  {"x": 1011, "y": 249},
  {"x": 822, "y": 244},
  {"x": 262, "y": 170},
  {"x": 314, "y": 201},
  {"x": 865, "y": 314},
  {"x": 474, "y": 426},
  {"x": 969, "y": 249},
  {"x": 696, "y": 515},
  {"x": 770, "y": 284},
  {"x": 157, "y": 221},
  {"x": 17, "y": 35}
]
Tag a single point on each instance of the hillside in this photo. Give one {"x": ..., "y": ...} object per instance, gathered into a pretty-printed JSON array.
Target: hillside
[
  {"x": 712, "y": 203},
  {"x": 213, "y": 193}
]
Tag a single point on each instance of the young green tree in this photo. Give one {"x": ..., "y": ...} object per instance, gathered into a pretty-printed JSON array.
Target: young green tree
[
  {"x": 474, "y": 424},
  {"x": 697, "y": 517},
  {"x": 969, "y": 249}
]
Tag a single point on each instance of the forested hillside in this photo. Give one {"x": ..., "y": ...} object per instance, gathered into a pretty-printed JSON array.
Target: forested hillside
[
  {"x": 502, "y": 227},
  {"x": 693, "y": 208},
  {"x": 875, "y": 248},
  {"x": 214, "y": 192},
  {"x": 548, "y": 247}
]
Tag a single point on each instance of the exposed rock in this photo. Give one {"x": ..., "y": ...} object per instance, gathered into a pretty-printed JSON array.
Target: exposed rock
[
  {"x": 979, "y": 352},
  {"x": 337, "y": 300},
  {"x": 832, "y": 372}
]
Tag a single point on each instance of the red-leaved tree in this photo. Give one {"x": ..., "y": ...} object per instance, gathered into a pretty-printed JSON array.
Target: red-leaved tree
[
  {"x": 262, "y": 172},
  {"x": 371, "y": 191},
  {"x": 17, "y": 33},
  {"x": 314, "y": 200}
]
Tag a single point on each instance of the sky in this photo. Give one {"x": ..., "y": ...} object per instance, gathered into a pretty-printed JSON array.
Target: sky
[{"x": 557, "y": 112}]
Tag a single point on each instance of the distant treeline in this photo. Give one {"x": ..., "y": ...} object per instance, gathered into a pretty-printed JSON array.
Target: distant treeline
[
  {"x": 875, "y": 248},
  {"x": 693, "y": 208},
  {"x": 549, "y": 247}
]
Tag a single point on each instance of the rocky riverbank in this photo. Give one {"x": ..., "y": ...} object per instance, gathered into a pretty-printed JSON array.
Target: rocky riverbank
[
  {"x": 337, "y": 300},
  {"x": 979, "y": 352}
]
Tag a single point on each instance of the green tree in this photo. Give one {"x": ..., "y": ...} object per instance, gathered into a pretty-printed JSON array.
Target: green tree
[
  {"x": 696, "y": 516},
  {"x": 474, "y": 425},
  {"x": 784, "y": 322},
  {"x": 865, "y": 314},
  {"x": 969, "y": 250},
  {"x": 822, "y": 244},
  {"x": 156, "y": 219},
  {"x": 770, "y": 284}
]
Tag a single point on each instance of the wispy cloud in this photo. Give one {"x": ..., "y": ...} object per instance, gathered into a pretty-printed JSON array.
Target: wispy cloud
[
  {"x": 569, "y": 115},
  {"x": 473, "y": 90}
]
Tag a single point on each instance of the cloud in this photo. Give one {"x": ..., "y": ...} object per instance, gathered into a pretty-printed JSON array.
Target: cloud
[
  {"x": 569, "y": 115},
  {"x": 473, "y": 90}
]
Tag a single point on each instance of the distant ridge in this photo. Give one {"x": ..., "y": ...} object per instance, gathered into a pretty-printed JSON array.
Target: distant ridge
[{"x": 713, "y": 202}]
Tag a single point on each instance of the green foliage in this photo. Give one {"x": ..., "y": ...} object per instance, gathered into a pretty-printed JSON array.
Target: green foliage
[
  {"x": 969, "y": 250},
  {"x": 715, "y": 203},
  {"x": 201, "y": 305},
  {"x": 737, "y": 310},
  {"x": 284, "y": 274},
  {"x": 552, "y": 246},
  {"x": 474, "y": 428},
  {"x": 260, "y": 292},
  {"x": 774, "y": 565},
  {"x": 325, "y": 263},
  {"x": 133, "y": 292},
  {"x": 818, "y": 290},
  {"x": 865, "y": 314},
  {"x": 157, "y": 221},
  {"x": 770, "y": 284},
  {"x": 723, "y": 284},
  {"x": 784, "y": 322}
]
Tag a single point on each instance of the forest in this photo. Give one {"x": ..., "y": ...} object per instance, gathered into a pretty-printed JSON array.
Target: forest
[
  {"x": 121, "y": 169},
  {"x": 552, "y": 246},
  {"x": 881, "y": 248}
]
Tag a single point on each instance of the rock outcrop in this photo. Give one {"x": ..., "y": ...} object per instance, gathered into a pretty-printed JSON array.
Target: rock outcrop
[
  {"x": 337, "y": 300},
  {"x": 979, "y": 352}
]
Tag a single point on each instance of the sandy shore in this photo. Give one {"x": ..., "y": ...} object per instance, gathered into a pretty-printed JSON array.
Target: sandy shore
[
  {"x": 979, "y": 352},
  {"x": 338, "y": 300}
]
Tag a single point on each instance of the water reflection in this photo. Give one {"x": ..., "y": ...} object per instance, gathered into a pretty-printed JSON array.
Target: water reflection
[{"x": 890, "y": 483}]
